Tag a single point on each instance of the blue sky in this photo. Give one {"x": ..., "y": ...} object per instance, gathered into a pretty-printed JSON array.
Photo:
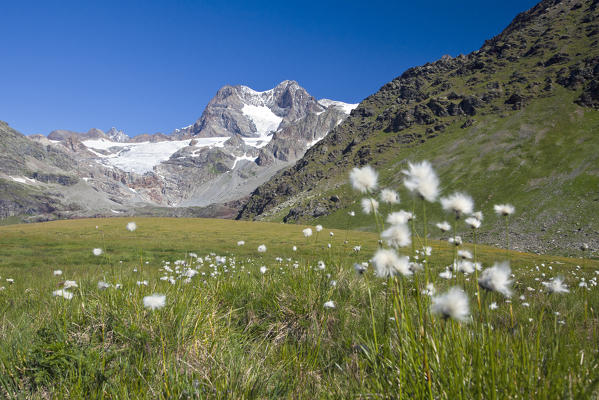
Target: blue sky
[{"x": 152, "y": 66}]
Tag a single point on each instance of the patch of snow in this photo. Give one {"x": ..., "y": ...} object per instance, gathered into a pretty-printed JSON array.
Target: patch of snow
[
  {"x": 312, "y": 143},
  {"x": 346, "y": 107},
  {"x": 24, "y": 180},
  {"x": 115, "y": 211},
  {"x": 264, "y": 119},
  {"x": 244, "y": 157}
]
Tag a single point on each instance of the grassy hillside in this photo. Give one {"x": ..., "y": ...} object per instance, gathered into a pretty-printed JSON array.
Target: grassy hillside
[
  {"x": 514, "y": 121},
  {"x": 232, "y": 331}
]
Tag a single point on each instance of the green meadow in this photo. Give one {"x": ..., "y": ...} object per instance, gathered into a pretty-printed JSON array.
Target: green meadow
[{"x": 253, "y": 325}]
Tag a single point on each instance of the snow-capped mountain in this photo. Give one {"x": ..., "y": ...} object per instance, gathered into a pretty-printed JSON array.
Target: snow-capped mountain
[{"x": 242, "y": 138}]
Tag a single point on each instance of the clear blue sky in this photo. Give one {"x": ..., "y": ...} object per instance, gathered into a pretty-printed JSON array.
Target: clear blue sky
[{"x": 151, "y": 66}]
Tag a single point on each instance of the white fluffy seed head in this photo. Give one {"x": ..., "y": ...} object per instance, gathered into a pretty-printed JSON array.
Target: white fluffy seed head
[
  {"x": 307, "y": 232},
  {"x": 399, "y": 217},
  {"x": 556, "y": 285},
  {"x": 397, "y": 236},
  {"x": 389, "y": 196},
  {"x": 57, "y": 272},
  {"x": 262, "y": 248},
  {"x": 318, "y": 228},
  {"x": 131, "y": 226},
  {"x": 329, "y": 304},
  {"x": 472, "y": 222},
  {"x": 69, "y": 284},
  {"x": 456, "y": 241},
  {"x": 478, "y": 215},
  {"x": 504, "y": 209},
  {"x": 97, "y": 252},
  {"x": 444, "y": 226},
  {"x": 452, "y": 304},
  {"x": 263, "y": 269},
  {"x": 497, "y": 279},
  {"x": 388, "y": 263},
  {"x": 363, "y": 179},
  {"x": 154, "y": 301},
  {"x": 459, "y": 203},
  {"x": 421, "y": 178},
  {"x": 103, "y": 285},
  {"x": 464, "y": 254},
  {"x": 369, "y": 205},
  {"x": 62, "y": 293},
  {"x": 240, "y": 243}
]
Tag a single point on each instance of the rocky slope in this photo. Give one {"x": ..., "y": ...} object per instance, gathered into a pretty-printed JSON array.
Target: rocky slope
[
  {"x": 513, "y": 121},
  {"x": 242, "y": 139}
]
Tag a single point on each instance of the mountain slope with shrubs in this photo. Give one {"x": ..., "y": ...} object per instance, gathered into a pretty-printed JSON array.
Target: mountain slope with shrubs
[{"x": 512, "y": 122}]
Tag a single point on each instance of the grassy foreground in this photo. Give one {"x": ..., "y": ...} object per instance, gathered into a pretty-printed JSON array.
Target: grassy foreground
[{"x": 234, "y": 331}]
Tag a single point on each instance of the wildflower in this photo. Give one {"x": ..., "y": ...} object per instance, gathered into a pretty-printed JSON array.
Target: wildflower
[
  {"x": 357, "y": 248},
  {"x": 443, "y": 226},
  {"x": 556, "y": 285},
  {"x": 455, "y": 240},
  {"x": 262, "y": 248},
  {"x": 307, "y": 232},
  {"x": 464, "y": 254},
  {"x": 465, "y": 266},
  {"x": 504, "y": 209},
  {"x": 369, "y": 205},
  {"x": 331, "y": 234},
  {"x": 62, "y": 293},
  {"x": 154, "y": 301},
  {"x": 97, "y": 252},
  {"x": 263, "y": 269},
  {"x": 422, "y": 178},
  {"x": 474, "y": 223},
  {"x": 10, "y": 280},
  {"x": 459, "y": 203},
  {"x": 430, "y": 289},
  {"x": 318, "y": 228},
  {"x": 321, "y": 265},
  {"x": 452, "y": 304},
  {"x": 131, "y": 226},
  {"x": 294, "y": 248},
  {"x": 525, "y": 304},
  {"x": 363, "y": 179},
  {"x": 69, "y": 284},
  {"x": 389, "y": 196},
  {"x": 351, "y": 213},
  {"x": 427, "y": 250},
  {"x": 241, "y": 243},
  {"x": 140, "y": 283},
  {"x": 397, "y": 236},
  {"x": 103, "y": 285},
  {"x": 446, "y": 274},
  {"x": 496, "y": 279},
  {"x": 399, "y": 217},
  {"x": 478, "y": 215},
  {"x": 493, "y": 306},
  {"x": 57, "y": 272},
  {"x": 329, "y": 304},
  {"x": 387, "y": 263},
  {"x": 360, "y": 268}
]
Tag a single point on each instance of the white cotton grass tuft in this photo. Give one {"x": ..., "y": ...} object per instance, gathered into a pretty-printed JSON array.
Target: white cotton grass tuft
[
  {"x": 429, "y": 290},
  {"x": 397, "y": 236},
  {"x": 363, "y": 179},
  {"x": 57, "y": 272},
  {"x": 459, "y": 203},
  {"x": 457, "y": 241},
  {"x": 69, "y": 284},
  {"x": 389, "y": 196},
  {"x": 478, "y": 215},
  {"x": 493, "y": 306},
  {"x": 556, "y": 285},
  {"x": 473, "y": 222},
  {"x": 103, "y": 285},
  {"x": 465, "y": 254},
  {"x": 97, "y": 252},
  {"x": 465, "y": 266},
  {"x": 422, "y": 179},
  {"x": 241, "y": 243},
  {"x": 263, "y": 270},
  {"x": 155, "y": 301},
  {"x": 307, "y": 232},
  {"x": 369, "y": 205},
  {"x": 131, "y": 226},
  {"x": 497, "y": 279},
  {"x": 504, "y": 209},
  {"x": 329, "y": 304},
  {"x": 262, "y": 248},
  {"x": 388, "y": 263},
  {"x": 351, "y": 213},
  {"x": 360, "y": 268},
  {"x": 62, "y": 293},
  {"x": 318, "y": 228},
  {"x": 443, "y": 226},
  {"x": 399, "y": 217},
  {"x": 452, "y": 304}
]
